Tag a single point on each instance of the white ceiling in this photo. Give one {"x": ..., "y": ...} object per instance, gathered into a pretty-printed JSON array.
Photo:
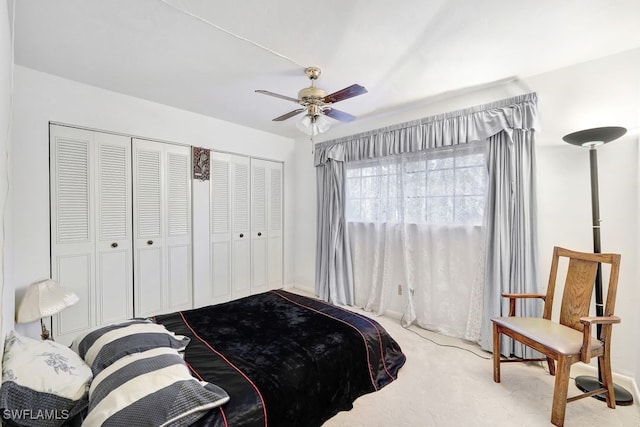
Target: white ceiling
[{"x": 212, "y": 58}]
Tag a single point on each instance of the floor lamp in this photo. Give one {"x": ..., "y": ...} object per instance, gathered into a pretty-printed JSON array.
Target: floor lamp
[{"x": 591, "y": 139}]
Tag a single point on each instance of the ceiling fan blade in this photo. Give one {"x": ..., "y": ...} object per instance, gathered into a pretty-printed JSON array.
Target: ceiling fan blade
[
  {"x": 346, "y": 93},
  {"x": 286, "y": 98},
  {"x": 288, "y": 115},
  {"x": 338, "y": 115}
]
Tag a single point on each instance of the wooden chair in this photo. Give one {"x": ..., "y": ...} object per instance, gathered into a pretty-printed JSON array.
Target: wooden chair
[{"x": 569, "y": 340}]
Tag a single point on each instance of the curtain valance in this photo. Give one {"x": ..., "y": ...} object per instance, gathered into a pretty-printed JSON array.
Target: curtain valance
[{"x": 457, "y": 127}]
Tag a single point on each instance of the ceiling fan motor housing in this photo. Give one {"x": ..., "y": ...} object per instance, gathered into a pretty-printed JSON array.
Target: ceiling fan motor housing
[{"x": 311, "y": 95}]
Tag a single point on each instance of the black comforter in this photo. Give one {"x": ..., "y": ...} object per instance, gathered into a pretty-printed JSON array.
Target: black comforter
[{"x": 284, "y": 359}]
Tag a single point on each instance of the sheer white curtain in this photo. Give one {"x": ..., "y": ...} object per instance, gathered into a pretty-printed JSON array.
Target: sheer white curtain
[{"x": 415, "y": 222}]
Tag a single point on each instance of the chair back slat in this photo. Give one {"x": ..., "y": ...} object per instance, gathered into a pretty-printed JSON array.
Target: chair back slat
[{"x": 578, "y": 289}]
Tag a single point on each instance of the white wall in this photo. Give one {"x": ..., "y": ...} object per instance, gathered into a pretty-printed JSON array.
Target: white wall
[
  {"x": 40, "y": 98},
  {"x": 305, "y": 212},
  {"x": 604, "y": 92},
  {"x": 6, "y": 67}
]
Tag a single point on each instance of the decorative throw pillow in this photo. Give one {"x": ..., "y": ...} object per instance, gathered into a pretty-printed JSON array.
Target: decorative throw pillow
[
  {"x": 43, "y": 383},
  {"x": 152, "y": 388},
  {"x": 103, "y": 346}
]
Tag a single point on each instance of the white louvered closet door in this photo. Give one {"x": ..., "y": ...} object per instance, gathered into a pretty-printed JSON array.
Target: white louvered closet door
[
  {"x": 240, "y": 226},
  {"x": 259, "y": 235},
  {"x": 266, "y": 225},
  {"x": 221, "y": 227},
  {"x": 114, "y": 258},
  {"x": 162, "y": 227},
  {"x": 178, "y": 237},
  {"x": 90, "y": 227},
  {"x": 246, "y": 226},
  {"x": 275, "y": 244}
]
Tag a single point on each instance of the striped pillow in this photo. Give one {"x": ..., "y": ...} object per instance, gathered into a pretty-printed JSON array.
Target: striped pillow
[
  {"x": 151, "y": 388},
  {"x": 101, "y": 347}
]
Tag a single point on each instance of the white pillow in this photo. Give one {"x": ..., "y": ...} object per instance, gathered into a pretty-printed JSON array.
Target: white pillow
[
  {"x": 40, "y": 376},
  {"x": 152, "y": 388}
]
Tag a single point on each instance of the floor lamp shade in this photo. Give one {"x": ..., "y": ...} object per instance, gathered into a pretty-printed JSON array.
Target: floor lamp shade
[
  {"x": 44, "y": 299},
  {"x": 594, "y": 137},
  {"x": 591, "y": 139}
]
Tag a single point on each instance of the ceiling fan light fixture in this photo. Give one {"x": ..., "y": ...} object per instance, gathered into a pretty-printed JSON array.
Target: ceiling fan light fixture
[
  {"x": 322, "y": 123},
  {"x": 313, "y": 125}
]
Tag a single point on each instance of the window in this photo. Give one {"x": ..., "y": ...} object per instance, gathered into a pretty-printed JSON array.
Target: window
[{"x": 442, "y": 186}]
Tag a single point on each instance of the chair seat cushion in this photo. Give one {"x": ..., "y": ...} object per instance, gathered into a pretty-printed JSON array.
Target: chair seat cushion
[{"x": 555, "y": 336}]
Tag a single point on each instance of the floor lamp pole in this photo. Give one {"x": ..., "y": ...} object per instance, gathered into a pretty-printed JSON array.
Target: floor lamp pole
[
  {"x": 591, "y": 138},
  {"x": 595, "y": 220}
]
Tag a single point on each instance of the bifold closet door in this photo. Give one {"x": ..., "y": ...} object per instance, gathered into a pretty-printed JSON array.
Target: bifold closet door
[
  {"x": 90, "y": 179},
  {"x": 266, "y": 225},
  {"x": 240, "y": 226},
  {"x": 220, "y": 228},
  {"x": 275, "y": 244},
  {"x": 162, "y": 227},
  {"x": 246, "y": 226},
  {"x": 230, "y": 229}
]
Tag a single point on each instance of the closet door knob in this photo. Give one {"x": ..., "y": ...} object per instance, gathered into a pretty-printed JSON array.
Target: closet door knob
[
  {"x": 114, "y": 245},
  {"x": 241, "y": 235},
  {"x": 149, "y": 242},
  {"x": 259, "y": 234}
]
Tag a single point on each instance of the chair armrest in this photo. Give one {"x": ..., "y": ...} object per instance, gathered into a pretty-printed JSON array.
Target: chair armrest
[
  {"x": 513, "y": 297},
  {"x": 603, "y": 320},
  {"x": 587, "y": 338}
]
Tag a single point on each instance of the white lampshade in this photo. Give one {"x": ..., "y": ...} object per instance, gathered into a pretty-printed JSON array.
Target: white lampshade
[
  {"x": 44, "y": 299},
  {"x": 313, "y": 125}
]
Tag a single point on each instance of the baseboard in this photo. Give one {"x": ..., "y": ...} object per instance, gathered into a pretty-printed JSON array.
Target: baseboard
[
  {"x": 301, "y": 287},
  {"x": 393, "y": 314},
  {"x": 623, "y": 381}
]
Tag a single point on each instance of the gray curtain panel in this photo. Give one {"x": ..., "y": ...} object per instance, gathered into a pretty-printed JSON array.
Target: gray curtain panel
[
  {"x": 334, "y": 273},
  {"x": 511, "y": 263},
  {"x": 508, "y": 126}
]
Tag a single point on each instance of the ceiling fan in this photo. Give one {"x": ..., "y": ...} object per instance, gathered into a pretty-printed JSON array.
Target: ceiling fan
[{"x": 317, "y": 104}]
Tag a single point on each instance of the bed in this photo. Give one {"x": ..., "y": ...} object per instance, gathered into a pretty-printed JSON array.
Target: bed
[
  {"x": 285, "y": 359},
  {"x": 272, "y": 359}
]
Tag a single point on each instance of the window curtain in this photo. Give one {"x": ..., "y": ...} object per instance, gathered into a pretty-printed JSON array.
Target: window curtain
[
  {"x": 334, "y": 274},
  {"x": 511, "y": 230},
  {"x": 512, "y": 123},
  {"x": 413, "y": 226}
]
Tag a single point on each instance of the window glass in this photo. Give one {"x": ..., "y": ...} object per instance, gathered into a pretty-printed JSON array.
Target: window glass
[{"x": 441, "y": 186}]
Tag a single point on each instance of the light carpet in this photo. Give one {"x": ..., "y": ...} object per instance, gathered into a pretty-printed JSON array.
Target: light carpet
[{"x": 446, "y": 386}]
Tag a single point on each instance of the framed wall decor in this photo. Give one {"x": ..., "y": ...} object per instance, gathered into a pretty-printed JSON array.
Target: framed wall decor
[{"x": 201, "y": 163}]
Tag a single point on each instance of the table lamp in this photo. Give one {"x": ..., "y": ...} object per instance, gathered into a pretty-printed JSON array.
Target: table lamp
[{"x": 44, "y": 299}]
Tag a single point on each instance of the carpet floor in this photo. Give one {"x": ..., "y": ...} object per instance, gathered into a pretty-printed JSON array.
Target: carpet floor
[{"x": 451, "y": 384}]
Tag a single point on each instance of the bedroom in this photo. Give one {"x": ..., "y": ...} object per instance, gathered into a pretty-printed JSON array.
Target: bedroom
[{"x": 576, "y": 92}]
